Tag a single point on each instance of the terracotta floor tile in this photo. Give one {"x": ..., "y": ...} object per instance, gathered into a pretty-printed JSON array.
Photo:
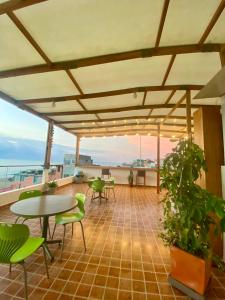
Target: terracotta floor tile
[
  {"x": 124, "y": 295},
  {"x": 110, "y": 294},
  {"x": 70, "y": 288},
  {"x": 51, "y": 296},
  {"x": 124, "y": 260},
  {"x": 96, "y": 292},
  {"x": 83, "y": 290}
]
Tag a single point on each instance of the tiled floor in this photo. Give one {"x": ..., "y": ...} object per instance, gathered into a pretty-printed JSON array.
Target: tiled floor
[{"x": 125, "y": 258}]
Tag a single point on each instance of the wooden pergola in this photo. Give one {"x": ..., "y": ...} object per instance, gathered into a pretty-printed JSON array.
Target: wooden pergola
[{"x": 106, "y": 68}]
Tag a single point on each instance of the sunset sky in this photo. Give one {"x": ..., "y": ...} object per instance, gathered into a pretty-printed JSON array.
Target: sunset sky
[{"x": 20, "y": 124}]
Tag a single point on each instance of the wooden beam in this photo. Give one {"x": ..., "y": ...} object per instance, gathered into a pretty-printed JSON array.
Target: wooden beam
[
  {"x": 28, "y": 36},
  {"x": 120, "y": 119},
  {"x": 77, "y": 151},
  {"x": 111, "y": 110},
  {"x": 8, "y": 6},
  {"x": 162, "y": 21},
  {"x": 188, "y": 114},
  {"x": 222, "y": 56},
  {"x": 144, "y": 98},
  {"x": 68, "y": 72},
  {"x": 158, "y": 159},
  {"x": 212, "y": 22},
  {"x": 49, "y": 145},
  {"x": 170, "y": 97},
  {"x": 108, "y": 58},
  {"x": 124, "y": 125},
  {"x": 175, "y": 106},
  {"x": 133, "y": 131},
  {"x": 114, "y": 93},
  {"x": 20, "y": 105},
  {"x": 168, "y": 69}
]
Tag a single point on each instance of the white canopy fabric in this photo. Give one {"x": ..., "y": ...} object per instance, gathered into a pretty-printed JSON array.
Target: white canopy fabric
[{"x": 110, "y": 67}]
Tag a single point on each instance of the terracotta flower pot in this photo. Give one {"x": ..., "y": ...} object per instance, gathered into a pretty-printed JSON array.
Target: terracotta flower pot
[{"x": 190, "y": 270}]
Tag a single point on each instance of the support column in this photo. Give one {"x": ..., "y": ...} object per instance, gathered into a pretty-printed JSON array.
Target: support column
[
  {"x": 77, "y": 151},
  {"x": 158, "y": 160},
  {"x": 48, "y": 152},
  {"x": 222, "y": 58},
  {"x": 188, "y": 114}
]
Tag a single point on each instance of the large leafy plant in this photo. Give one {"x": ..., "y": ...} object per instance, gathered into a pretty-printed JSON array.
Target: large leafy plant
[{"x": 189, "y": 210}]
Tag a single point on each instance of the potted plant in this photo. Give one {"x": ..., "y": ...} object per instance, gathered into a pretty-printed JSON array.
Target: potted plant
[
  {"x": 51, "y": 187},
  {"x": 131, "y": 178},
  {"x": 79, "y": 177},
  {"x": 189, "y": 214}
]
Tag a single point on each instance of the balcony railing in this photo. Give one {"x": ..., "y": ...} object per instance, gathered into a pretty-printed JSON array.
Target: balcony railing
[{"x": 19, "y": 176}]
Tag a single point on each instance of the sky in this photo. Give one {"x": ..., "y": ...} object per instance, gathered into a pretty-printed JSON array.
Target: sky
[{"x": 17, "y": 123}]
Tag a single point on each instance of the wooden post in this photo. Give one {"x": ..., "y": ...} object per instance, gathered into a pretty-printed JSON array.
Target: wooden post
[
  {"x": 158, "y": 160},
  {"x": 48, "y": 152},
  {"x": 77, "y": 151},
  {"x": 188, "y": 113}
]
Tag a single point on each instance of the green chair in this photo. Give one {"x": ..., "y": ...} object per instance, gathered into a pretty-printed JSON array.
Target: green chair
[
  {"x": 27, "y": 195},
  {"x": 71, "y": 218},
  {"x": 110, "y": 186},
  {"x": 98, "y": 186},
  {"x": 16, "y": 245}
]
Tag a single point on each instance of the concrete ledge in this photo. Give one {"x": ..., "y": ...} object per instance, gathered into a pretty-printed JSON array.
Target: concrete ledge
[{"x": 12, "y": 196}]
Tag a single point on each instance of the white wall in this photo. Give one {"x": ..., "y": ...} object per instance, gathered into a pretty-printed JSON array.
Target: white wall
[
  {"x": 12, "y": 196},
  {"x": 121, "y": 175}
]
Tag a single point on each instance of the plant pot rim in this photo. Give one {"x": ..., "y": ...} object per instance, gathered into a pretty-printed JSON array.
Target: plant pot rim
[{"x": 182, "y": 250}]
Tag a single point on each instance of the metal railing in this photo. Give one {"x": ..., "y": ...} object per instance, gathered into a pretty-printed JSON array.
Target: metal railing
[{"x": 19, "y": 176}]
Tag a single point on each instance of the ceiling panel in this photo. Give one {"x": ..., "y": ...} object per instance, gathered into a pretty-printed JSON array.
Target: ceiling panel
[
  {"x": 75, "y": 118},
  {"x": 51, "y": 84},
  {"x": 122, "y": 74},
  {"x": 194, "y": 68},
  {"x": 56, "y": 106},
  {"x": 186, "y": 21},
  {"x": 217, "y": 34},
  {"x": 113, "y": 101},
  {"x": 15, "y": 50},
  {"x": 90, "y": 28},
  {"x": 124, "y": 114},
  {"x": 159, "y": 97}
]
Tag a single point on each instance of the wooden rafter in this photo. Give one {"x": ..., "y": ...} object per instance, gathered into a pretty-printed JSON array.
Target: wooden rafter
[
  {"x": 114, "y": 93},
  {"x": 188, "y": 113},
  {"x": 212, "y": 22},
  {"x": 8, "y": 6},
  {"x": 119, "y": 109},
  {"x": 175, "y": 106},
  {"x": 144, "y": 98},
  {"x": 124, "y": 125},
  {"x": 97, "y": 60},
  {"x": 168, "y": 69},
  {"x": 28, "y": 36},
  {"x": 170, "y": 97},
  {"x": 162, "y": 21},
  {"x": 124, "y": 131},
  {"x": 120, "y": 119}
]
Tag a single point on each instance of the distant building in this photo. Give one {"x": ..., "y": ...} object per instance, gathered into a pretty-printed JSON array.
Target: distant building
[
  {"x": 69, "y": 163},
  {"x": 142, "y": 163}
]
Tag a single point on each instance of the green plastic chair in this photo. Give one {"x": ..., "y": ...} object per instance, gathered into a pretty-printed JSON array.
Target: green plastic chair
[
  {"x": 98, "y": 186},
  {"x": 110, "y": 186},
  {"x": 27, "y": 195},
  {"x": 16, "y": 245},
  {"x": 71, "y": 218}
]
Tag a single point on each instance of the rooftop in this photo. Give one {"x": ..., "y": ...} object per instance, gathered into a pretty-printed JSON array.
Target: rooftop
[{"x": 125, "y": 258}]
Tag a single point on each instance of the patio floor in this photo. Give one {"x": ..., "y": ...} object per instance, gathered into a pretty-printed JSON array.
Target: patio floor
[{"x": 125, "y": 259}]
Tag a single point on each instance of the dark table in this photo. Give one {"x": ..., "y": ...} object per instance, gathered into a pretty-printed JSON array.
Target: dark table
[{"x": 44, "y": 207}]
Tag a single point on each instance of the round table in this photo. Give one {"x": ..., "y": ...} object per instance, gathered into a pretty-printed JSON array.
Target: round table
[{"x": 44, "y": 207}]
